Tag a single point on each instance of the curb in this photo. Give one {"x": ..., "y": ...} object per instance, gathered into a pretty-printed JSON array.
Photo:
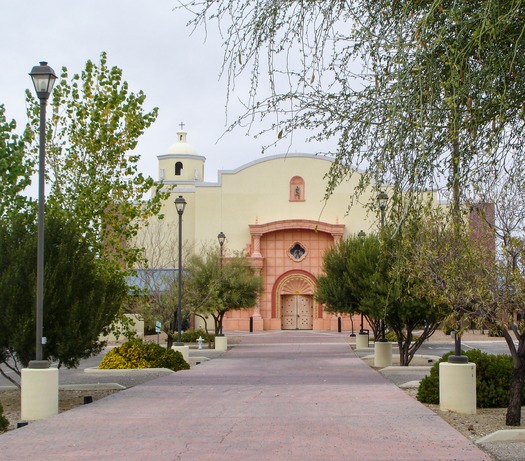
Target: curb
[{"x": 504, "y": 435}]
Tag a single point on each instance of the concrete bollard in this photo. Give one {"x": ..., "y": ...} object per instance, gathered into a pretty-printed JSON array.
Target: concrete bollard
[
  {"x": 221, "y": 343},
  {"x": 362, "y": 341},
  {"x": 39, "y": 396},
  {"x": 382, "y": 354},
  {"x": 184, "y": 350},
  {"x": 457, "y": 387}
]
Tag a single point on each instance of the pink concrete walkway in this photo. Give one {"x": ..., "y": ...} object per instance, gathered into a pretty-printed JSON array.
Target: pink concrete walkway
[{"x": 275, "y": 396}]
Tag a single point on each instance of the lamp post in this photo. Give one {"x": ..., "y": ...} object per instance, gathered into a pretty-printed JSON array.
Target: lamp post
[
  {"x": 382, "y": 200},
  {"x": 43, "y": 79},
  {"x": 361, "y": 235},
  {"x": 180, "y": 204},
  {"x": 221, "y": 238}
]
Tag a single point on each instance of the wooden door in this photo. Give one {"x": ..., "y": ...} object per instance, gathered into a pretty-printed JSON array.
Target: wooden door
[{"x": 297, "y": 312}]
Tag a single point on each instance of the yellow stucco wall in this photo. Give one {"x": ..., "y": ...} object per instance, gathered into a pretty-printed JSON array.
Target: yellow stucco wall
[{"x": 258, "y": 194}]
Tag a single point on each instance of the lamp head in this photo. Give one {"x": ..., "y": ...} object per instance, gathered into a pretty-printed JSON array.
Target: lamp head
[
  {"x": 180, "y": 204},
  {"x": 43, "y": 79},
  {"x": 382, "y": 200}
]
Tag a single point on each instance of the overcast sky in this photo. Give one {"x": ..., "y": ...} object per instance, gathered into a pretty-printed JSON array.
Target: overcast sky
[{"x": 150, "y": 42}]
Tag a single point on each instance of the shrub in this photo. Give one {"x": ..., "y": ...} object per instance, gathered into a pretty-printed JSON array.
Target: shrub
[
  {"x": 493, "y": 377},
  {"x": 192, "y": 336},
  {"x": 136, "y": 354},
  {"x": 392, "y": 337},
  {"x": 4, "y": 423},
  {"x": 495, "y": 332}
]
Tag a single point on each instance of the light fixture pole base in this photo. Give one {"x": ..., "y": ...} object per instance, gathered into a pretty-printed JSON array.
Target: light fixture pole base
[
  {"x": 382, "y": 354},
  {"x": 221, "y": 343},
  {"x": 457, "y": 387},
  {"x": 39, "y": 396},
  {"x": 361, "y": 341},
  {"x": 184, "y": 350}
]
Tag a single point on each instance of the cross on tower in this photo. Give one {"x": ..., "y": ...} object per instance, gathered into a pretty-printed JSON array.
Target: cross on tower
[{"x": 181, "y": 125}]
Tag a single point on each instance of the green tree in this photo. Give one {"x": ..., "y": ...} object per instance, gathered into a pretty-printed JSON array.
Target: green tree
[
  {"x": 426, "y": 92},
  {"x": 339, "y": 288},
  {"x": 15, "y": 167},
  {"x": 214, "y": 285},
  {"x": 429, "y": 94},
  {"x": 156, "y": 275},
  {"x": 82, "y": 292},
  {"x": 92, "y": 132},
  {"x": 360, "y": 276},
  {"x": 505, "y": 311}
]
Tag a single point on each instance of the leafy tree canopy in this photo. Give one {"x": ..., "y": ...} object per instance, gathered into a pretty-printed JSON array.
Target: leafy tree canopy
[
  {"x": 94, "y": 127},
  {"x": 15, "y": 167},
  {"x": 360, "y": 275},
  {"x": 427, "y": 92},
  {"x": 82, "y": 292},
  {"x": 214, "y": 285}
]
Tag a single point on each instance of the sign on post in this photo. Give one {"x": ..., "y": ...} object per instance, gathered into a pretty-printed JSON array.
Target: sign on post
[{"x": 157, "y": 329}]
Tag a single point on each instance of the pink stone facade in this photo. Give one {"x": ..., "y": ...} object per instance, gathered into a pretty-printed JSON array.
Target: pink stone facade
[{"x": 289, "y": 255}]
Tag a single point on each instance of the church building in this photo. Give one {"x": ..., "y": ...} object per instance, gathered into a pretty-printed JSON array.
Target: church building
[{"x": 274, "y": 210}]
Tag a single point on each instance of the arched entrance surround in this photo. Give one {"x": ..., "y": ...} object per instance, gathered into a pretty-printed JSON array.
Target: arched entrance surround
[{"x": 294, "y": 303}]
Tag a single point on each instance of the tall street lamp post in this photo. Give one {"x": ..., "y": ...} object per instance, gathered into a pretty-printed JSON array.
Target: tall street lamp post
[
  {"x": 382, "y": 200},
  {"x": 180, "y": 204},
  {"x": 361, "y": 235},
  {"x": 43, "y": 79},
  {"x": 221, "y": 238}
]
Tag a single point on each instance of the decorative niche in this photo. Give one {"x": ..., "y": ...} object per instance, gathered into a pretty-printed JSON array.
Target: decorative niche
[{"x": 296, "y": 189}]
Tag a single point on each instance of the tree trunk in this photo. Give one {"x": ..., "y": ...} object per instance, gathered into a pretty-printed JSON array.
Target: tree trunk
[
  {"x": 220, "y": 317},
  {"x": 169, "y": 340},
  {"x": 407, "y": 346},
  {"x": 513, "y": 417},
  {"x": 404, "y": 359},
  {"x": 375, "y": 325}
]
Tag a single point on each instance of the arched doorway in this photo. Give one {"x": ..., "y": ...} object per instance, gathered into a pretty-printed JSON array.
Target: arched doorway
[{"x": 295, "y": 302}]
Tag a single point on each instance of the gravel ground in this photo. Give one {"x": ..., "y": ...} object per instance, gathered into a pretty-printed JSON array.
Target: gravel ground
[{"x": 486, "y": 420}]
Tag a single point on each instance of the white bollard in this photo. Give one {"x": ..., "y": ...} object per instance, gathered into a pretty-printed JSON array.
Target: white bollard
[
  {"x": 184, "y": 350},
  {"x": 382, "y": 354},
  {"x": 221, "y": 343},
  {"x": 361, "y": 341},
  {"x": 39, "y": 396},
  {"x": 457, "y": 387}
]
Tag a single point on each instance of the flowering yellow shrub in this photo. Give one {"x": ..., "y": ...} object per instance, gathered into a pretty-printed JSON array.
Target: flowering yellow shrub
[{"x": 136, "y": 354}]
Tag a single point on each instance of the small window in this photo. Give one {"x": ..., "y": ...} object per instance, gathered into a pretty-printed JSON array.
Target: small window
[
  {"x": 296, "y": 189},
  {"x": 178, "y": 168},
  {"x": 297, "y": 252}
]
